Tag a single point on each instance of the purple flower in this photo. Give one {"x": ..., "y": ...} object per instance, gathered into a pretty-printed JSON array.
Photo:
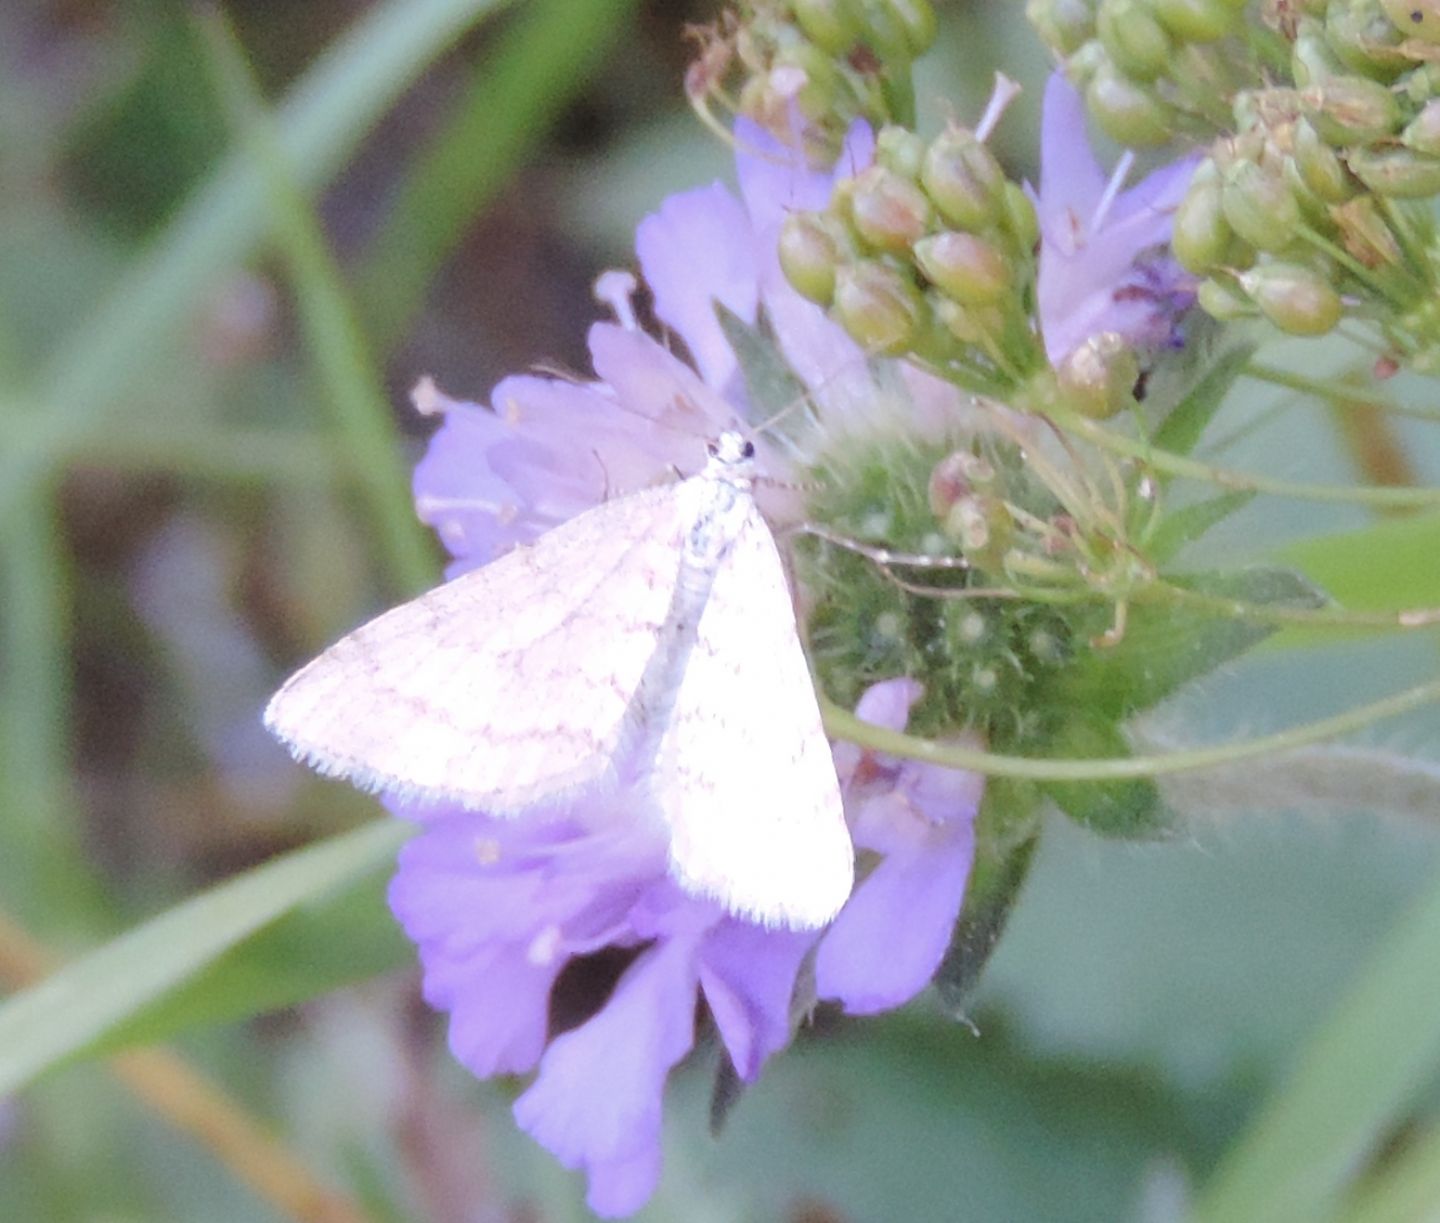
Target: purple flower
[
  {"x": 1103, "y": 261},
  {"x": 499, "y": 908},
  {"x": 889, "y": 939}
]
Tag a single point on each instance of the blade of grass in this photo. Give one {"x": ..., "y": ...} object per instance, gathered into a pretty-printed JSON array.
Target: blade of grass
[
  {"x": 539, "y": 64},
  {"x": 42, "y": 868},
  {"x": 1405, "y": 1191},
  {"x": 1371, "y": 1055},
  {"x": 199, "y": 1107},
  {"x": 321, "y": 122},
  {"x": 352, "y": 383},
  {"x": 72, "y": 1009}
]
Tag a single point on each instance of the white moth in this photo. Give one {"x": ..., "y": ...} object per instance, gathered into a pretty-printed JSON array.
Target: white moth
[{"x": 649, "y": 645}]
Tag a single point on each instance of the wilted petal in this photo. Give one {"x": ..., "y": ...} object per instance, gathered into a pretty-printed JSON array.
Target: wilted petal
[
  {"x": 596, "y": 1102},
  {"x": 748, "y": 975}
]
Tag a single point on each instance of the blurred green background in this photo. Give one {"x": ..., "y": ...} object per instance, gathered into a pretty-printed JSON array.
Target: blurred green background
[{"x": 210, "y": 314}]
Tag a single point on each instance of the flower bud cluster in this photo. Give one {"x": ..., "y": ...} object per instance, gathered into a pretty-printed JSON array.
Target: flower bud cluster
[
  {"x": 940, "y": 525},
  {"x": 1311, "y": 209},
  {"x": 811, "y": 67},
  {"x": 1152, "y": 69},
  {"x": 929, "y": 251}
]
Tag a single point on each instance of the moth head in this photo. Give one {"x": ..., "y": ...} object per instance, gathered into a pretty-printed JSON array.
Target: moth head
[{"x": 731, "y": 446}]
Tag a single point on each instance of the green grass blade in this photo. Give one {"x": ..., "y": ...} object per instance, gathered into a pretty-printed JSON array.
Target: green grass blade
[
  {"x": 1406, "y": 1191},
  {"x": 352, "y": 382},
  {"x": 540, "y": 63},
  {"x": 40, "y": 831},
  {"x": 1369, "y": 1058},
  {"x": 321, "y": 122},
  {"x": 80, "y": 1003}
]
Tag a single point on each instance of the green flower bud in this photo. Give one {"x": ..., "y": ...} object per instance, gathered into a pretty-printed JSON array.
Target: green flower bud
[
  {"x": 880, "y": 308},
  {"x": 1365, "y": 232},
  {"x": 983, "y": 528},
  {"x": 964, "y": 267},
  {"x": 900, "y": 150},
  {"x": 1364, "y": 39},
  {"x": 1063, "y": 25},
  {"x": 1137, "y": 43},
  {"x": 1399, "y": 173},
  {"x": 1312, "y": 62},
  {"x": 958, "y": 475},
  {"x": 1126, "y": 111},
  {"x": 810, "y": 253},
  {"x": 1196, "y": 20},
  {"x": 963, "y": 179},
  {"x": 1086, "y": 62},
  {"x": 1260, "y": 207},
  {"x": 1221, "y": 301},
  {"x": 1347, "y": 110},
  {"x": 816, "y": 97},
  {"x": 886, "y": 30},
  {"x": 969, "y": 324},
  {"x": 888, "y": 212},
  {"x": 1319, "y": 167},
  {"x": 1098, "y": 378},
  {"x": 1415, "y": 18},
  {"x": 1201, "y": 237},
  {"x": 1296, "y": 299},
  {"x": 1018, "y": 217},
  {"x": 832, "y": 25},
  {"x": 1422, "y": 133},
  {"x": 917, "y": 19}
]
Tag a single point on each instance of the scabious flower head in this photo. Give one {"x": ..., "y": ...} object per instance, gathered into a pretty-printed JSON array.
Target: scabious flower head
[
  {"x": 499, "y": 908},
  {"x": 1104, "y": 265}
]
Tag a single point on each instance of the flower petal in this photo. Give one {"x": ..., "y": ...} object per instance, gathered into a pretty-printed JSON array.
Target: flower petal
[
  {"x": 697, "y": 250},
  {"x": 596, "y": 1103},
  {"x": 748, "y": 975},
  {"x": 889, "y": 939}
]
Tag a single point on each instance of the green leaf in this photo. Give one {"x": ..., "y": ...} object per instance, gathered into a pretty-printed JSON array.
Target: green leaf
[
  {"x": 1127, "y": 808},
  {"x": 1006, "y": 834},
  {"x": 1391, "y": 564},
  {"x": 1199, "y": 397},
  {"x": 80, "y": 1003},
  {"x": 770, "y": 384},
  {"x": 1190, "y": 522},
  {"x": 1165, "y": 646},
  {"x": 322, "y": 945},
  {"x": 1350, "y": 1085}
]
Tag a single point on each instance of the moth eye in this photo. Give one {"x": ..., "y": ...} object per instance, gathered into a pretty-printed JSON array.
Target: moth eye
[
  {"x": 747, "y": 451},
  {"x": 711, "y": 449}
]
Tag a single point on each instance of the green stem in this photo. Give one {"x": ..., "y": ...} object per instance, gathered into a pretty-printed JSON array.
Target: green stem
[
  {"x": 1335, "y": 392},
  {"x": 43, "y": 841},
  {"x": 1163, "y": 593},
  {"x": 320, "y": 123},
  {"x": 541, "y": 61},
  {"x": 842, "y": 724},
  {"x": 1178, "y": 465},
  {"x": 361, "y": 414}
]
